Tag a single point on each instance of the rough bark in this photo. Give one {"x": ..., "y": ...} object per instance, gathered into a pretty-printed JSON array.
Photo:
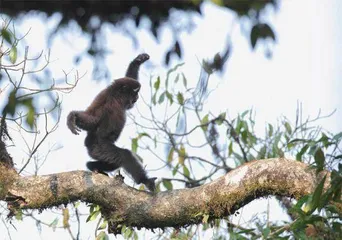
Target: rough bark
[{"x": 122, "y": 204}]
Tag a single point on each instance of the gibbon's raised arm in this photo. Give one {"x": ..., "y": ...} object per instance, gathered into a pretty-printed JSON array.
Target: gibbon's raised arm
[{"x": 133, "y": 67}]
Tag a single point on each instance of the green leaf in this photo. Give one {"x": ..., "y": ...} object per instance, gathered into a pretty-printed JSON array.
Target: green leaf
[
  {"x": 175, "y": 169},
  {"x": 157, "y": 83},
  {"x": 169, "y": 96},
  {"x": 91, "y": 208},
  {"x": 262, "y": 152},
  {"x": 127, "y": 233},
  {"x": 332, "y": 209},
  {"x": 186, "y": 171},
  {"x": 19, "y": 214},
  {"x": 252, "y": 140},
  {"x": 319, "y": 159},
  {"x": 54, "y": 223},
  {"x": 11, "y": 104},
  {"x": 313, "y": 149},
  {"x": 265, "y": 232},
  {"x": 270, "y": 130},
  {"x": 180, "y": 98},
  {"x": 177, "y": 78},
  {"x": 144, "y": 134},
  {"x": 13, "y": 54},
  {"x": 244, "y": 113},
  {"x": 338, "y": 136},
  {"x": 205, "y": 121},
  {"x": 205, "y": 218},
  {"x": 103, "y": 225},
  {"x": 181, "y": 155},
  {"x": 337, "y": 227},
  {"x": 30, "y": 117},
  {"x": 244, "y": 134},
  {"x": 184, "y": 81},
  {"x": 230, "y": 149},
  {"x": 167, "y": 184},
  {"x": 206, "y": 67},
  {"x": 247, "y": 231},
  {"x": 288, "y": 128},
  {"x": 92, "y": 216},
  {"x": 28, "y": 103},
  {"x": 161, "y": 98},
  {"x": 298, "y": 140},
  {"x": 238, "y": 127},
  {"x": 316, "y": 197},
  {"x": 170, "y": 155},
  {"x": 301, "y": 152},
  {"x": 66, "y": 218},
  {"x": 102, "y": 236},
  {"x": 134, "y": 145},
  {"x": 221, "y": 118},
  {"x": 6, "y": 35},
  {"x": 325, "y": 140},
  {"x": 297, "y": 208}
]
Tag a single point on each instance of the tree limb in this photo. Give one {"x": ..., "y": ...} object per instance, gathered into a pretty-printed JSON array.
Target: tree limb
[{"x": 124, "y": 205}]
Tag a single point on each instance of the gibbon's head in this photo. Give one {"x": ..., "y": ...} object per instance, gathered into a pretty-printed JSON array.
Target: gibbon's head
[{"x": 126, "y": 89}]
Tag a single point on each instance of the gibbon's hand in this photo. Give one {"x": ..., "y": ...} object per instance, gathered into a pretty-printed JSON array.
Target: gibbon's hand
[
  {"x": 133, "y": 67},
  {"x": 71, "y": 123},
  {"x": 141, "y": 58}
]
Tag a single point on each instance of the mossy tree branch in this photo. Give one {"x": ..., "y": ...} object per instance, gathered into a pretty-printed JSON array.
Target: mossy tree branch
[{"x": 123, "y": 205}]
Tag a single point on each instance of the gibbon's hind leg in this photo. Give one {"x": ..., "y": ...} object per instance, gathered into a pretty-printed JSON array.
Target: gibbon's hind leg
[
  {"x": 110, "y": 157},
  {"x": 104, "y": 151},
  {"x": 131, "y": 164},
  {"x": 133, "y": 68},
  {"x": 101, "y": 167}
]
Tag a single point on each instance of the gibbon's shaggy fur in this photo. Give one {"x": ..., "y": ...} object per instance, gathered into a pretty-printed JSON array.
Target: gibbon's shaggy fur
[{"x": 104, "y": 120}]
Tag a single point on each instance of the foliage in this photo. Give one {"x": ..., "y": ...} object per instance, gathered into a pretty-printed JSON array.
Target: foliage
[
  {"x": 232, "y": 142},
  {"x": 92, "y": 18},
  {"x": 22, "y": 83}
]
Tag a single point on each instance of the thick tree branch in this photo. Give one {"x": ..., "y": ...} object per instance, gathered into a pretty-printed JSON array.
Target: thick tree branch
[{"x": 123, "y": 205}]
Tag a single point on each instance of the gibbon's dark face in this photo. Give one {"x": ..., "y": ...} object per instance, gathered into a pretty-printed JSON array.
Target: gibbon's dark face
[{"x": 128, "y": 89}]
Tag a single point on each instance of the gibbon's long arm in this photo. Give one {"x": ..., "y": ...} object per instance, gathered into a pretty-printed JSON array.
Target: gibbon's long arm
[
  {"x": 78, "y": 120},
  {"x": 133, "y": 68}
]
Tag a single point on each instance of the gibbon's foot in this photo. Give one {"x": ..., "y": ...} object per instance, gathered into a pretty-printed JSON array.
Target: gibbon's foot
[
  {"x": 141, "y": 58},
  {"x": 100, "y": 172},
  {"x": 150, "y": 184}
]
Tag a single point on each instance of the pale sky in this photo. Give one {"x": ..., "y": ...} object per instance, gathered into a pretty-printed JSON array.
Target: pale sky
[{"x": 306, "y": 66}]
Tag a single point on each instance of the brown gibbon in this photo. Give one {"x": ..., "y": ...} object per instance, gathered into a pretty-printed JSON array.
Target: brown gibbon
[{"x": 104, "y": 120}]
